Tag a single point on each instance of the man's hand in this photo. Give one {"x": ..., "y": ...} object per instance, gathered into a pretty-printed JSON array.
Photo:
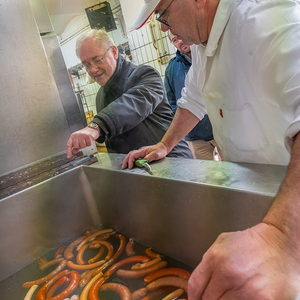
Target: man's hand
[
  {"x": 81, "y": 139},
  {"x": 150, "y": 153},
  {"x": 259, "y": 263}
]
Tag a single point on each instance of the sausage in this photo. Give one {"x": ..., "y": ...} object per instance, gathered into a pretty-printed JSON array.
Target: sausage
[
  {"x": 177, "y": 282},
  {"x": 154, "y": 294},
  {"x": 68, "y": 254},
  {"x": 151, "y": 254},
  {"x": 93, "y": 294},
  {"x": 85, "y": 277},
  {"x": 57, "y": 285},
  {"x": 85, "y": 267},
  {"x": 79, "y": 256},
  {"x": 167, "y": 272},
  {"x": 146, "y": 264},
  {"x": 119, "y": 288},
  {"x": 109, "y": 247},
  {"x": 139, "y": 294},
  {"x": 124, "y": 262},
  {"x": 96, "y": 257},
  {"x": 42, "y": 293},
  {"x": 129, "y": 248},
  {"x": 50, "y": 263},
  {"x": 74, "y": 280},
  {"x": 86, "y": 289},
  {"x": 174, "y": 295},
  {"x": 58, "y": 253},
  {"x": 60, "y": 267},
  {"x": 142, "y": 272},
  {"x": 89, "y": 238},
  {"x": 30, "y": 292},
  {"x": 115, "y": 256},
  {"x": 42, "y": 261}
]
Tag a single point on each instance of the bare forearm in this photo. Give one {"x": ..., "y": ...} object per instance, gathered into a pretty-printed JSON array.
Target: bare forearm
[
  {"x": 285, "y": 211},
  {"x": 184, "y": 121}
]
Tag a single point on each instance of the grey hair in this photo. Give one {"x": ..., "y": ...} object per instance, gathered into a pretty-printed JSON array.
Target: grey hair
[{"x": 100, "y": 35}]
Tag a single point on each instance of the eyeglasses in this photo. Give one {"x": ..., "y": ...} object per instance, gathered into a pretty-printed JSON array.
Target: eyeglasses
[
  {"x": 96, "y": 63},
  {"x": 159, "y": 19}
]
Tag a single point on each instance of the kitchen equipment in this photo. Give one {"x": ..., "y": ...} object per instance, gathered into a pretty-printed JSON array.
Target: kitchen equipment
[{"x": 179, "y": 211}]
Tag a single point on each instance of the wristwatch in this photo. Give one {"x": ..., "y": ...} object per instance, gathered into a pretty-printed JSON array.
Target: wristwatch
[{"x": 95, "y": 126}]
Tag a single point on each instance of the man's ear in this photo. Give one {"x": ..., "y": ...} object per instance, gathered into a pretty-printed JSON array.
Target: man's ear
[
  {"x": 114, "y": 50},
  {"x": 200, "y": 3}
]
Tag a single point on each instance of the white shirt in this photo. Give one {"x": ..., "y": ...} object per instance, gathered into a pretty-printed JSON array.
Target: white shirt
[{"x": 247, "y": 79}]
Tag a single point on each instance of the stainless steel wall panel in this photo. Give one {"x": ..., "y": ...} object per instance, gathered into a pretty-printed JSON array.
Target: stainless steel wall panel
[
  {"x": 33, "y": 122},
  {"x": 71, "y": 106},
  {"x": 38, "y": 219},
  {"x": 41, "y": 16}
]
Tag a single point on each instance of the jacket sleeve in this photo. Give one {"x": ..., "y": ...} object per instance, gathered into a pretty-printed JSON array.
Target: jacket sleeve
[
  {"x": 169, "y": 86},
  {"x": 145, "y": 93}
]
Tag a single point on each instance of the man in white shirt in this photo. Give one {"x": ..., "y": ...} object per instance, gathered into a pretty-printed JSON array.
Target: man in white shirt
[{"x": 246, "y": 77}]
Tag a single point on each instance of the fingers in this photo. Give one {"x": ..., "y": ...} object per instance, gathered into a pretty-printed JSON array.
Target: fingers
[
  {"x": 199, "y": 281},
  {"x": 81, "y": 139},
  {"x": 132, "y": 156}
]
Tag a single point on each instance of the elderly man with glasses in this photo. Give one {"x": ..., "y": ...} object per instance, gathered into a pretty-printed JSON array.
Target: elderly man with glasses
[
  {"x": 132, "y": 106},
  {"x": 246, "y": 76}
]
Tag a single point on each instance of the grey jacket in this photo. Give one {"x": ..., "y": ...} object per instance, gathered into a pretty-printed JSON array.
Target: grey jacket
[{"x": 133, "y": 110}]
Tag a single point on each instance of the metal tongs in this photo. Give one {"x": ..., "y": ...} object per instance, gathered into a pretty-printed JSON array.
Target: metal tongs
[{"x": 143, "y": 163}]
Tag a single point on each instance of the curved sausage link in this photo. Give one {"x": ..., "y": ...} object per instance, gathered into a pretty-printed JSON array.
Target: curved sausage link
[
  {"x": 167, "y": 272},
  {"x": 174, "y": 295},
  {"x": 96, "y": 257},
  {"x": 60, "y": 267},
  {"x": 85, "y": 277},
  {"x": 42, "y": 261},
  {"x": 30, "y": 292},
  {"x": 57, "y": 285},
  {"x": 85, "y": 292},
  {"x": 129, "y": 248},
  {"x": 124, "y": 262},
  {"x": 109, "y": 246},
  {"x": 139, "y": 294},
  {"x": 115, "y": 256},
  {"x": 91, "y": 237},
  {"x": 68, "y": 253},
  {"x": 174, "y": 281},
  {"x": 85, "y": 267},
  {"x": 51, "y": 263},
  {"x": 119, "y": 288},
  {"x": 93, "y": 294},
  {"x": 74, "y": 280},
  {"x": 42, "y": 293},
  {"x": 142, "y": 272},
  {"x": 147, "y": 264},
  {"x": 79, "y": 256},
  {"x": 58, "y": 253},
  {"x": 152, "y": 254},
  {"x": 154, "y": 294}
]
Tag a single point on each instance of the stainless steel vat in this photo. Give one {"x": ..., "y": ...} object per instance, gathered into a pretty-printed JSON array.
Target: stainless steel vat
[{"x": 179, "y": 211}]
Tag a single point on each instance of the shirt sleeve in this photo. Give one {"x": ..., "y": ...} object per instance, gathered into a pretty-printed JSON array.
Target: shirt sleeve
[
  {"x": 145, "y": 93},
  {"x": 192, "y": 99}
]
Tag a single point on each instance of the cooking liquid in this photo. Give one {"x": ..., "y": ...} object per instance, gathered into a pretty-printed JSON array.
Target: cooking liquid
[{"x": 11, "y": 288}]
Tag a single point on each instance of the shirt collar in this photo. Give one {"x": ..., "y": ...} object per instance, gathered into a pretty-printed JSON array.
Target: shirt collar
[{"x": 222, "y": 16}]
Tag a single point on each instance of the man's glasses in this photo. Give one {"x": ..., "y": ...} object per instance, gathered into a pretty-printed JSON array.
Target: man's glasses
[
  {"x": 96, "y": 63},
  {"x": 159, "y": 19}
]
